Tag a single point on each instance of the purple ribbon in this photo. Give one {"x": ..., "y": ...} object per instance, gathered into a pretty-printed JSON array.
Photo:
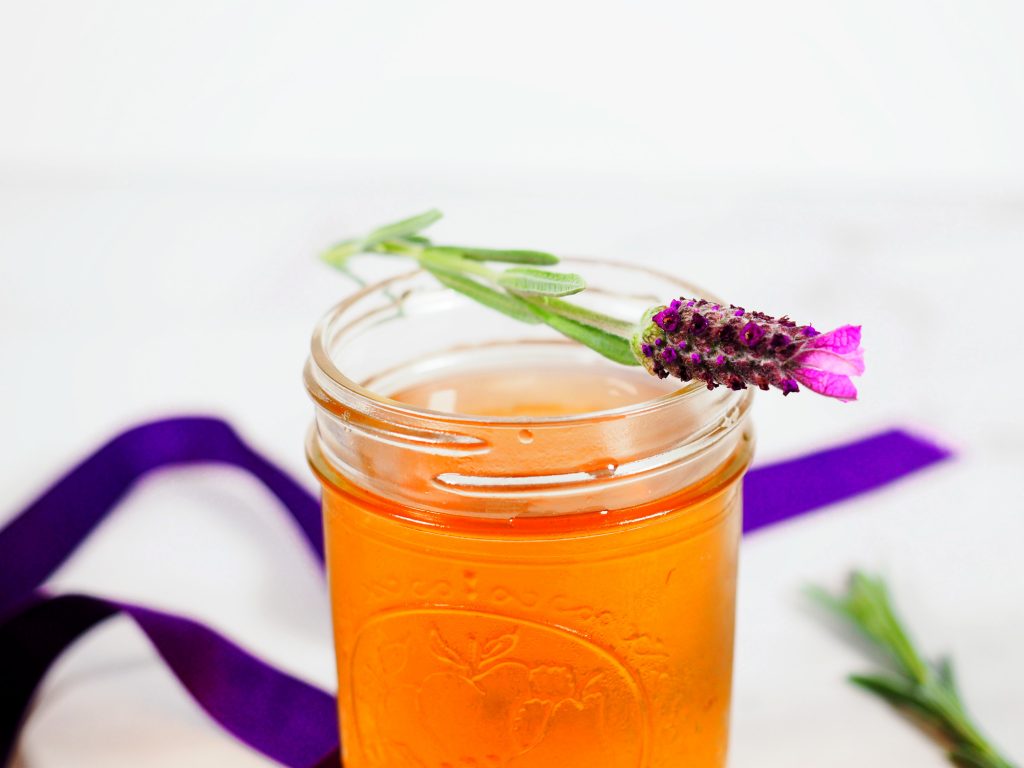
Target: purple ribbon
[
  {"x": 38, "y": 540},
  {"x": 776, "y": 492},
  {"x": 285, "y": 718},
  {"x": 281, "y": 716}
]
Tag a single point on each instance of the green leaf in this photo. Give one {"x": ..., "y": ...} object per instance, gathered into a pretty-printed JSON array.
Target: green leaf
[
  {"x": 611, "y": 346},
  {"x": 417, "y": 239},
  {"x": 540, "y": 282},
  {"x": 401, "y": 229},
  {"x": 899, "y": 692},
  {"x": 339, "y": 254},
  {"x": 494, "y": 254},
  {"x": 512, "y": 306},
  {"x": 612, "y": 325},
  {"x": 969, "y": 758}
]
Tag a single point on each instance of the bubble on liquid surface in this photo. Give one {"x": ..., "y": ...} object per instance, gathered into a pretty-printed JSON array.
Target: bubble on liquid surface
[{"x": 525, "y": 436}]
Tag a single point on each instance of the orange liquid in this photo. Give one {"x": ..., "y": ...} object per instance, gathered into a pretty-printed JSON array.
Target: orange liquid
[{"x": 599, "y": 639}]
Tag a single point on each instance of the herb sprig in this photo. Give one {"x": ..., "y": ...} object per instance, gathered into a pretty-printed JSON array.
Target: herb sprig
[
  {"x": 925, "y": 690},
  {"x": 524, "y": 292},
  {"x": 717, "y": 344}
]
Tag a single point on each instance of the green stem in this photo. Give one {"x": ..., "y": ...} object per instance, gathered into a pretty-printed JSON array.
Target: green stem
[
  {"x": 607, "y": 323},
  {"x": 454, "y": 264}
]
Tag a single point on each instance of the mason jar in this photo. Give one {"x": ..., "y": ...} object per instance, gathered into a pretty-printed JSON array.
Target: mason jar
[{"x": 531, "y": 551}]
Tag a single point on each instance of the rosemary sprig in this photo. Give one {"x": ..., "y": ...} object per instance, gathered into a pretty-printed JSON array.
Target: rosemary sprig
[
  {"x": 924, "y": 690},
  {"x": 524, "y": 292}
]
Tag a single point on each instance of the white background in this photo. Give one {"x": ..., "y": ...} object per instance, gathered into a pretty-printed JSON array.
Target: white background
[{"x": 168, "y": 171}]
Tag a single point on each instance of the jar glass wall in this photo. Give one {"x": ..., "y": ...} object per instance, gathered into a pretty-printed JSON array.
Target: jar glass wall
[{"x": 531, "y": 550}]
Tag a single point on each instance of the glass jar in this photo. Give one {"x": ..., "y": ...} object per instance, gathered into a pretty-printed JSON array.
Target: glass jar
[{"x": 546, "y": 578}]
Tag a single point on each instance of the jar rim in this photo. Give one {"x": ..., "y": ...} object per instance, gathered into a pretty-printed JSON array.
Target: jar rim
[{"x": 326, "y": 382}]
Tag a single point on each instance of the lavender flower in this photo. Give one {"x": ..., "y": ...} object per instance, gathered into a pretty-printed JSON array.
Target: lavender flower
[
  {"x": 733, "y": 347},
  {"x": 688, "y": 338}
]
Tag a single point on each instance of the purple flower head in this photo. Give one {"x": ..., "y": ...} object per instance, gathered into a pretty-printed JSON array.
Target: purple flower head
[
  {"x": 667, "y": 320},
  {"x": 738, "y": 349},
  {"x": 751, "y": 334}
]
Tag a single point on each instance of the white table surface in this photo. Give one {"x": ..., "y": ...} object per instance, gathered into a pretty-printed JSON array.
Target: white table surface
[{"x": 126, "y": 297}]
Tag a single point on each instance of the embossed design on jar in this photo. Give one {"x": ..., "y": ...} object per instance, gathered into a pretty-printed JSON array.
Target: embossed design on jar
[
  {"x": 433, "y": 590},
  {"x": 447, "y": 688},
  {"x": 506, "y": 596},
  {"x": 582, "y": 611}
]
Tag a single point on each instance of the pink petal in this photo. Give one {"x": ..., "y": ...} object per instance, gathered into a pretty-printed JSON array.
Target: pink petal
[
  {"x": 848, "y": 365},
  {"x": 828, "y": 384},
  {"x": 843, "y": 340}
]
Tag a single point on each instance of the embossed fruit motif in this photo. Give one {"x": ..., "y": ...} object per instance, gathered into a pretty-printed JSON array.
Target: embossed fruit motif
[{"x": 462, "y": 689}]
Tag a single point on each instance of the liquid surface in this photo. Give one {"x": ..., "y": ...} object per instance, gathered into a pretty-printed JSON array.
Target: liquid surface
[
  {"x": 570, "y": 643},
  {"x": 557, "y": 390}
]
